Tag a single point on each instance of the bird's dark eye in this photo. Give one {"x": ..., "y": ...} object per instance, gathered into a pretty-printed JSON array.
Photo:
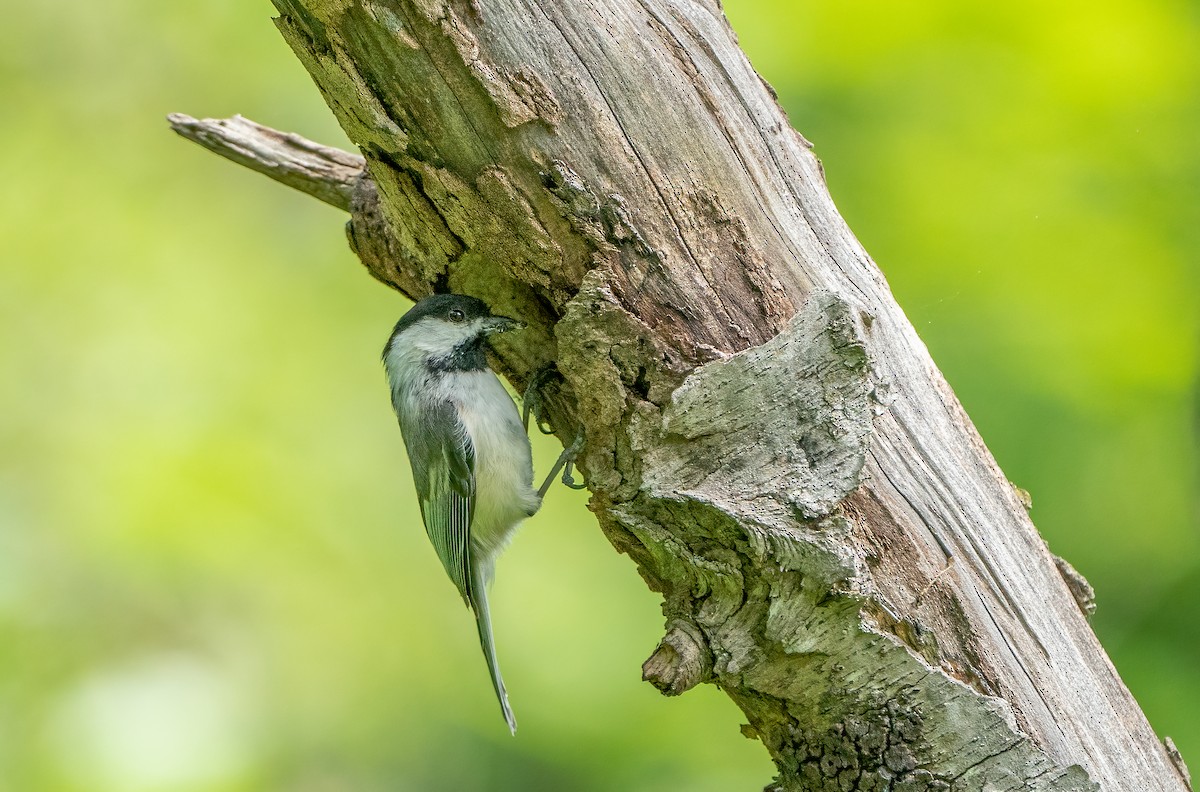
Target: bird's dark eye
[{"x": 457, "y": 316}]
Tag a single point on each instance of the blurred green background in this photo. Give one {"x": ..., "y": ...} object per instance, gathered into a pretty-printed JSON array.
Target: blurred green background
[{"x": 212, "y": 576}]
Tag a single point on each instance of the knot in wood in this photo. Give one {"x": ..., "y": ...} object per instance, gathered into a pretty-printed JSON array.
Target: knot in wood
[
  {"x": 680, "y": 662},
  {"x": 1081, "y": 590}
]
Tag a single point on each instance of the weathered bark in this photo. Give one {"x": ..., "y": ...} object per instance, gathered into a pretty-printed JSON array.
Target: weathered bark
[{"x": 767, "y": 436}]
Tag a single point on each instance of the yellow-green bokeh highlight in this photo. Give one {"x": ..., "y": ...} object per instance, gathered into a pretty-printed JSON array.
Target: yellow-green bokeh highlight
[{"x": 212, "y": 574}]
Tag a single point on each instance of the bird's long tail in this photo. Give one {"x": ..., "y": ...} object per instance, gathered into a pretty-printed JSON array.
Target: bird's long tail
[{"x": 483, "y": 621}]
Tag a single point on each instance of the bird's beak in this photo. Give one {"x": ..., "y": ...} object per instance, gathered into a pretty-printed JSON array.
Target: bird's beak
[{"x": 500, "y": 324}]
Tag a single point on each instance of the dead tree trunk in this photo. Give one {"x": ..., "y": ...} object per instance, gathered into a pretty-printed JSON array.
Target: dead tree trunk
[{"x": 767, "y": 437}]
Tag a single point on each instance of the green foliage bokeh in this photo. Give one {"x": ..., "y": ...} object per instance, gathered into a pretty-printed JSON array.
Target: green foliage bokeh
[{"x": 212, "y": 575}]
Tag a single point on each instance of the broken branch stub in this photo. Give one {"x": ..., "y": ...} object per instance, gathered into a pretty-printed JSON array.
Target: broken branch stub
[{"x": 328, "y": 174}]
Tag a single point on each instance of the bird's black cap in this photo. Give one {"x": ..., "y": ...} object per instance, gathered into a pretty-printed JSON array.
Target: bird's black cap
[{"x": 440, "y": 306}]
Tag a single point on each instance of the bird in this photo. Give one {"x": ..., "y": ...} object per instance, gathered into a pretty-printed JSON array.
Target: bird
[{"x": 467, "y": 445}]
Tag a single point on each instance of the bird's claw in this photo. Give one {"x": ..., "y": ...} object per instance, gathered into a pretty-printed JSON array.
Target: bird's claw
[
  {"x": 531, "y": 400},
  {"x": 566, "y": 462},
  {"x": 569, "y": 465}
]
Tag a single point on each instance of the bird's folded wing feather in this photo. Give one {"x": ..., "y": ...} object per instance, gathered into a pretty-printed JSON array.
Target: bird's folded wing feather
[{"x": 446, "y": 489}]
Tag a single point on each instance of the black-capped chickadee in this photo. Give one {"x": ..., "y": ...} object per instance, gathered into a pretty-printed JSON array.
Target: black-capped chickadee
[{"x": 467, "y": 444}]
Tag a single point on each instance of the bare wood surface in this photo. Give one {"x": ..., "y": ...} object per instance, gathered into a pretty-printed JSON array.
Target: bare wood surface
[
  {"x": 767, "y": 437},
  {"x": 321, "y": 171}
]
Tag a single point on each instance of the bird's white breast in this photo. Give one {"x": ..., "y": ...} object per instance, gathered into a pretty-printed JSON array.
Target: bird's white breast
[{"x": 504, "y": 494}]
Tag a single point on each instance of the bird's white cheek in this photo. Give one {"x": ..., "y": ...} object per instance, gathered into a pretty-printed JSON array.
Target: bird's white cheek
[{"x": 436, "y": 338}]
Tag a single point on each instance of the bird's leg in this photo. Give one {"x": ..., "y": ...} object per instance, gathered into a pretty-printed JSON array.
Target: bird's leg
[
  {"x": 531, "y": 400},
  {"x": 564, "y": 463},
  {"x": 531, "y": 404}
]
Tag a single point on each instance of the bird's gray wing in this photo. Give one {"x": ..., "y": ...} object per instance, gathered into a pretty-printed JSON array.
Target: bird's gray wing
[{"x": 443, "y": 463}]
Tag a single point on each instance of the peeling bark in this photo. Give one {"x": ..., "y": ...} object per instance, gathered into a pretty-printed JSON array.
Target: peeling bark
[{"x": 767, "y": 438}]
